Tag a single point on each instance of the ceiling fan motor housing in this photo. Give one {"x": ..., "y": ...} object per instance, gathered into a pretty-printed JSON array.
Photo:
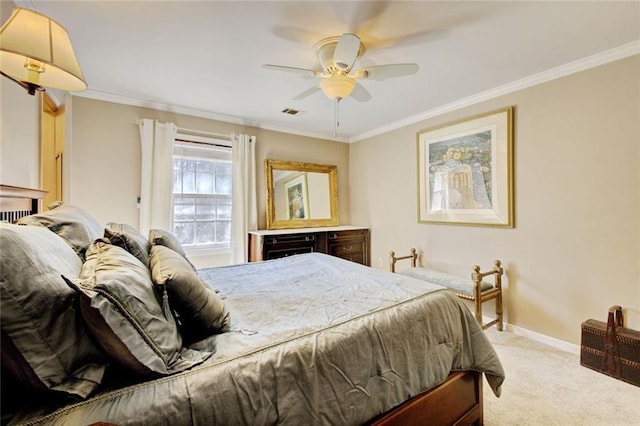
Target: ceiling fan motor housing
[{"x": 325, "y": 50}]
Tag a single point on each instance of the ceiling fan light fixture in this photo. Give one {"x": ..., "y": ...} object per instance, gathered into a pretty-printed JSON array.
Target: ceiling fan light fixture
[
  {"x": 36, "y": 52},
  {"x": 337, "y": 86}
]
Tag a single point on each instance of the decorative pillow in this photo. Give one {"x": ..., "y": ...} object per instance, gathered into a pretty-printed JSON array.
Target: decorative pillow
[
  {"x": 453, "y": 282},
  {"x": 44, "y": 341},
  {"x": 200, "y": 310},
  {"x": 122, "y": 309},
  {"x": 130, "y": 239},
  {"x": 78, "y": 228},
  {"x": 159, "y": 237}
]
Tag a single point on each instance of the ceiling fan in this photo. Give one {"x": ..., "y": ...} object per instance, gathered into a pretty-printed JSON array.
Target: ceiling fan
[{"x": 337, "y": 56}]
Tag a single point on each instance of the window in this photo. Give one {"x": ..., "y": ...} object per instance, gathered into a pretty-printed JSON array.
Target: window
[{"x": 202, "y": 195}]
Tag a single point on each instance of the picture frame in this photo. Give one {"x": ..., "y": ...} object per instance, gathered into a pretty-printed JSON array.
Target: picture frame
[
  {"x": 297, "y": 198},
  {"x": 465, "y": 171}
]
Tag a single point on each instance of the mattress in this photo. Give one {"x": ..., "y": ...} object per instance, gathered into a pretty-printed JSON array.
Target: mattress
[{"x": 315, "y": 340}]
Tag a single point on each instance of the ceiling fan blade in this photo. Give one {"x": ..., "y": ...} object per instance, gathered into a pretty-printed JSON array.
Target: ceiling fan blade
[
  {"x": 297, "y": 35},
  {"x": 383, "y": 72},
  {"x": 365, "y": 15},
  {"x": 290, "y": 69},
  {"x": 346, "y": 51},
  {"x": 360, "y": 93},
  {"x": 310, "y": 91}
]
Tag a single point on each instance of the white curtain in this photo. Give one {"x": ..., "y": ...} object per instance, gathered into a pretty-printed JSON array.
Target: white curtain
[
  {"x": 157, "y": 175},
  {"x": 244, "y": 207}
]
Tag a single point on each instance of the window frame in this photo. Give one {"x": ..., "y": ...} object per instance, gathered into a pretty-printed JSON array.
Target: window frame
[{"x": 207, "y": 144}]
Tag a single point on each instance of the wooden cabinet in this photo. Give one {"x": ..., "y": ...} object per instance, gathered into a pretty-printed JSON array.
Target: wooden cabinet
[
  {"x": 352, "y": 245},
  {"x": 347, "y": 242}
]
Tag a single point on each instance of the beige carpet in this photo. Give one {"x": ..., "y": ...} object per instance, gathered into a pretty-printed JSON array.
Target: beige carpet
[{"x": 548, "y": 386}]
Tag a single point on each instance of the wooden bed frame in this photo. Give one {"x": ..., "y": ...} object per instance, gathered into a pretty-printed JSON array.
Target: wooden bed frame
[{"x": 457, "y": 401}]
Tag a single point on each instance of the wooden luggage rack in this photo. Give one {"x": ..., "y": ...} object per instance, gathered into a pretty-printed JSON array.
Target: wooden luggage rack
[{"x": 476, "y": 289}]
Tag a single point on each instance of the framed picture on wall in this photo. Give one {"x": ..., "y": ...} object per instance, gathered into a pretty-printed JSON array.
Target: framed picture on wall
[
  {"x": 465, "y": 171},
  {"x": 297, "y": 197}
]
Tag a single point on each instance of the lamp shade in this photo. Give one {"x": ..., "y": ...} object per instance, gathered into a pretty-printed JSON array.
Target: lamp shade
[
  {"x": 337, "y": 85},
  {"x": 35, "y": 49}
]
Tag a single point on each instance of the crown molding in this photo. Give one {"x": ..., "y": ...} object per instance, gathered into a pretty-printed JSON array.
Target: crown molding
[
  {"x": 621, "y": 52},
  {"x": 159, "y": 106}
]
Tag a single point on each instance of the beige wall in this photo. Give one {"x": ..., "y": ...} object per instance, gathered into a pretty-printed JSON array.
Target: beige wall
[
  {"x": 19, "y": 136},
  {"x": 19, "y": 129},
  {"x": 575, "y": 249},
  {"x": 103, "y": 149}
]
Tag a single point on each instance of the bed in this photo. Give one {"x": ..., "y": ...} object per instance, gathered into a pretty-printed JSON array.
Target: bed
[{"x": 312, "y": 339}]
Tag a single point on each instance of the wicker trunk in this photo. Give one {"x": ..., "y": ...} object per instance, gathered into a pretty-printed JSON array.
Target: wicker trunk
[{"x": 610, "y": 348}]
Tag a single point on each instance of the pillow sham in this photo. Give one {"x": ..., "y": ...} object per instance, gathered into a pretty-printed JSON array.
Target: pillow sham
[
  {"x": 45, "y": 344},
  {"x": 77, "y": 227},
  {"x": 122, "y": 309},
  {"x": 128, "y": 237},
  {"x": 200, "y": 310}
]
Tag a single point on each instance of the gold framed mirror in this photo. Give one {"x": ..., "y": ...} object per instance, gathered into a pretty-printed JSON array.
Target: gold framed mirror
[{"x": 301, "y": 195}]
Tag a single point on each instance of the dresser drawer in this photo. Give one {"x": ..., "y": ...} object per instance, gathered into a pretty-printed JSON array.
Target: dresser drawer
[
  {"x": 346, "y": 248},
  {"x": 357, "y": 234},
  {"x": 276, "y": 246},
  {"x": 297, "y": 239},
  {"x": 354, "y": 257},
  {"x": 284, "y": 252}
]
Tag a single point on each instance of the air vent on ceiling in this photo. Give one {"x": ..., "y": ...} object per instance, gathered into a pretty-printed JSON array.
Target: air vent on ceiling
[{"x": 291, "y": 111}]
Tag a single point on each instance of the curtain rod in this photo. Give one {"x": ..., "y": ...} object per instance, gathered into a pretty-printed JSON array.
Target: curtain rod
[{"x": 203, "y": 143}]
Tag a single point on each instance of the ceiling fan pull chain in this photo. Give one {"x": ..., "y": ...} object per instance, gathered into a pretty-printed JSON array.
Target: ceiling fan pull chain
[{"x": 336, "y": 123}]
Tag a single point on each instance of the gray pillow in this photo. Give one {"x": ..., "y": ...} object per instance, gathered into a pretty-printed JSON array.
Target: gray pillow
[
  {"x": 44, "y": 340},
  {"x": 78, "y": 228},
  {"x": 200, "y": 309},
  {"x": 159, "y": 237},
  {"x": 450, "y": 281},
  {"x": 165, "y": 238},
  {"x": 127, "y": 316},
  {"x": 128, "y": 237}
]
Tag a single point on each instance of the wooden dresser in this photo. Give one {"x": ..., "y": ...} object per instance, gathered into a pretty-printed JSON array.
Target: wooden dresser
[{"x": 347, "y": 242}]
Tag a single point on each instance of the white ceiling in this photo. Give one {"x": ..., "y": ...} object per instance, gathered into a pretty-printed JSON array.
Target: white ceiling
[{"x": 204, "y": 58}]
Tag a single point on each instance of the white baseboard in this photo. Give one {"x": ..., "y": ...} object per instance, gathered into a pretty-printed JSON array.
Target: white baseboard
[{"x": 542, "y": 338}]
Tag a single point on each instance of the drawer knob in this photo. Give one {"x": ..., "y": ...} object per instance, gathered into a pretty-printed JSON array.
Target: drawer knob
[
  {"x": 333, "y": 236},
  {"x": 347, "y": 248}
]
